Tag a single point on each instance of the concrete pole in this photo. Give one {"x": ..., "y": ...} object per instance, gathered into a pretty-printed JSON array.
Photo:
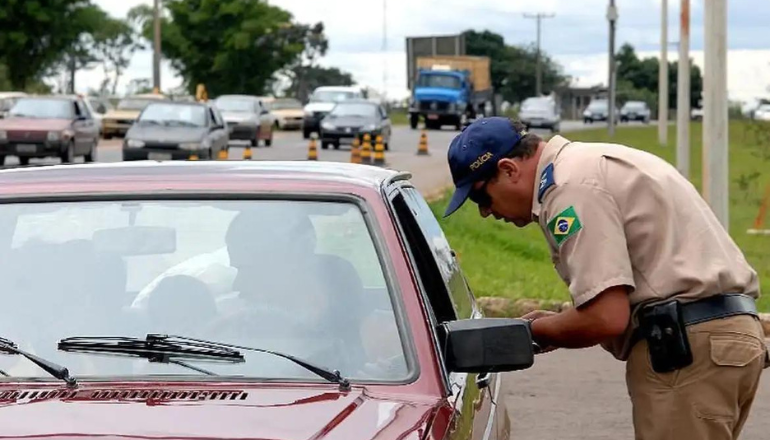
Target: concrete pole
[
  {"x": 156, "y": 48},
  {"x": 663, "y": 77},
  {"x": 612, "y": 17},
  {"x": 683, "y": 93},
  {"x": 539, "y": 63},
  {"x": 715, "y": 111}
]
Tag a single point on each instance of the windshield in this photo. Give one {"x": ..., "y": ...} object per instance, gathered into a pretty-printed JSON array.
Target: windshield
[
  {"x": 634, "y": 106},
  {"x": 134, "y": 104},
  {"x": 442, "y": 81},
  {"x": 598, "y": 105},
  {"x": 536, "y": 104},
  {"x": 225, "y": 271},
  {"x": 44, "y": 108},
  {"x": 333, "y": 96},
  {"x": 168, "y": 114},
  {"x": 286, "y": 105},
  {"x": 364, "y": 110},
  {"x": 235, "y": 105}
]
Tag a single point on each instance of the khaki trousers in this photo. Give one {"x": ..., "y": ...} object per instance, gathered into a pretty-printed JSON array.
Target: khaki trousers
[{"x": 709, "y": 399}]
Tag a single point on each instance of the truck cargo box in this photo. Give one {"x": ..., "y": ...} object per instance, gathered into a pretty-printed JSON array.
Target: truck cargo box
[{"x": 479, "y": 68}]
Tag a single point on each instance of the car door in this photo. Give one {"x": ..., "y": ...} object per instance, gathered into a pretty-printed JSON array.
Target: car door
[
  {"x": 218, "y": 133},
  {"x": 265, "y": 119},
  {"x": 474, "y": 399},
  {"x": 84, "y": 128},
  {"x": 386, "y": 125}
]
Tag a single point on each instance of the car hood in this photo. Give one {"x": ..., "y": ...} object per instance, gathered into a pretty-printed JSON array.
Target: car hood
[
  {"x": 238, "y": 116},
  {"x": 320, "y": 106},
  {"x": 536, "y": 113},
  {"x": 349, "y": 121},
  {"x": 166, "y": 134},
  {"x": 436, "y": 94},
  {"x": 33, "y": 124},
  {"x": 257, "y": 412},
  {"x": 122, "y": 114},
  {"x": 289, "y": 113}
]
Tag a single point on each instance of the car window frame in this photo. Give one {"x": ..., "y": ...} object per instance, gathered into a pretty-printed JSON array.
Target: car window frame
[{"x": 377, "y": 234}]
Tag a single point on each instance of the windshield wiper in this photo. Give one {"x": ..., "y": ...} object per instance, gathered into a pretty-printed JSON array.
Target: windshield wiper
[
  {"x": 171, "y": 348},
  {"x": 55, "y": 370},
  {"x": 171, "y": 123},
  {"x": 155, "y": 348}
]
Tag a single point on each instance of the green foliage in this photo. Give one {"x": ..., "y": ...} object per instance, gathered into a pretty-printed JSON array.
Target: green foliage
[
  {"x": 513, "y": 68},
  {"x": 231, "y": 46},
  {"x": 35, "y": 33},
  {"x": 308, "y": 78},
  {"x": 114, "y": 44}
]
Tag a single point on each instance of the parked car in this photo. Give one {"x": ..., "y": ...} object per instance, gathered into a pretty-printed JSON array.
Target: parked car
[
  {"x": 322, "y": 101},
  {"x": 353, "y": 119},
  {"x": 380, "y": 336},
  {"x": 635, "y": 111},
  {"x": 696, "y": 114},
  {"x": 762, "y": 113},
  {"x": 176, "y": 131},
  {"x": 7, "y": 100},
  {"x": 117, "y": 122},
  {"x": 49, "y": 126},
  {"x": 540, "y": 112},
  {"x": 247, "y": 117},
  {"x": 598, "y": 110},
  {"x": 287, "y": 113}
]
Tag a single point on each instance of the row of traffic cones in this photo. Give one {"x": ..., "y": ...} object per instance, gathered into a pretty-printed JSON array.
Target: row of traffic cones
[
  {"x": 359, "y": 154},
  {"x": 223, "y": 154}
]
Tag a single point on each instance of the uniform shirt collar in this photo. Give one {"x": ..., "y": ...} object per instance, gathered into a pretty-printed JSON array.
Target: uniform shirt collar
[{"x": 551, "y": 150}]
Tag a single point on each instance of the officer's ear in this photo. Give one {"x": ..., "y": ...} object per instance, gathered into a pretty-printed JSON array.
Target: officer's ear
[{"x": 509, "y": 169}]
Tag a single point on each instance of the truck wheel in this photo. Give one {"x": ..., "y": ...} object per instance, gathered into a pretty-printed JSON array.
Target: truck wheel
[{"x": 413, "y": 120}]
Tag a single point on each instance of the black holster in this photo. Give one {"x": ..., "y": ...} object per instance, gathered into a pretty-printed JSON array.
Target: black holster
[{"x": 663, "y": 327}]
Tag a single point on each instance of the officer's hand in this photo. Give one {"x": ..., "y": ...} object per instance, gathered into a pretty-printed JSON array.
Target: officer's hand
[{"x": 537, "y": 314}]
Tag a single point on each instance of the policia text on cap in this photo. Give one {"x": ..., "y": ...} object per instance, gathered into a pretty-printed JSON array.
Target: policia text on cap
[{"x": 654, "y": 277}]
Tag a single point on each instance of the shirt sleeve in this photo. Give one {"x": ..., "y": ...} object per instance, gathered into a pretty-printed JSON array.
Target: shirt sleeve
[{"x": 585, "y": 230}]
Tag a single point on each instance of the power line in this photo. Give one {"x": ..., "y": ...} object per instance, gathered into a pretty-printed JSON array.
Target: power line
[{"x": 539, "y": 74}]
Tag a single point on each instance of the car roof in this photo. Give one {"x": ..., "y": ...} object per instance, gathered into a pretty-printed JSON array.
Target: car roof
[
  {"x": 338, "y": 89},
  {"x": 12, "y": 95},
  {"x": 238, "y": 96},
  {"x": 181, "y": 103},
  {"x": 189, "y": 176},
  {"x": 50, "y": 97}
]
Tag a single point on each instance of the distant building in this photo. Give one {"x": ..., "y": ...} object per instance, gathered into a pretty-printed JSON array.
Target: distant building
[{"x": 574, "y": 99}]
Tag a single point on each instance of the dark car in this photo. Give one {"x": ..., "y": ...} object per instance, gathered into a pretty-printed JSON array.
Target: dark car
[
  {"x": 309, "y": 301},
  {"x": 176, "y": 131},
  {"x": 247, "y": 117},
  {"x": 49, "y": 126},
  {"x": 355, "y": 118},
  {"x": 635, "y": 111}
]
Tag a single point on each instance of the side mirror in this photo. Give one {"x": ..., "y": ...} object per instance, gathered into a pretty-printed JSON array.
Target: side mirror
[{"x": 488, "y": 345}]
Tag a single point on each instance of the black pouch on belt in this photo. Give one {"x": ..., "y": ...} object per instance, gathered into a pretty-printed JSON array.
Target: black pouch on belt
[{"x": 662, "y": 325}]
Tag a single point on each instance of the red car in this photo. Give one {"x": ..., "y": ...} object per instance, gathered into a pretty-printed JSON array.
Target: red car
[{"x": 240, "y": 300}]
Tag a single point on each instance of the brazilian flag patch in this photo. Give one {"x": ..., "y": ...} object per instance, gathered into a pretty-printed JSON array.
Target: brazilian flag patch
[{"x": 564, "y": 225}]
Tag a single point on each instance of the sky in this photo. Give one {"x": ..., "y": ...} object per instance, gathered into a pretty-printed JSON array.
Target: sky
[{"x": 576, "y": 36}]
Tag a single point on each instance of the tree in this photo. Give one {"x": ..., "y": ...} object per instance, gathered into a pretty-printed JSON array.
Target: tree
[
  {"x": 35, "y": 33},
  {"x": 115, "y": 43},
  {"x": 313, "y": 77},
  {"x": 232, "y": 46},
  {"x": 513, "y": 68},
  {"x": 315, "y": 46}
]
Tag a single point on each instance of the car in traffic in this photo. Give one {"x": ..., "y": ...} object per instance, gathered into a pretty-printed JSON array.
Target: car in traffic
[
  {"x": 247, "y": 118},
  {"x": 7, "y": 100},
  {"x": 635, "y": 111},
  {"x": 49, "y": 126},
  {"x": 351, "y": 119},
  {"x": 173, "y": 309},
  {"x": 287, "y": 113},
  {"x": 540, "y": 112},
  {"x": 762, "y": 113},
  {"x": 116, "y": 122},
  {"x": 322, "y": 101},
  {"x": 176, "y": 131},
  {"x": 598, "y": 110}
]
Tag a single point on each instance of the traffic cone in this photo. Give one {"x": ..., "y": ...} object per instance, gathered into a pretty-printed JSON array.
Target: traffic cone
[
  {"x": 379, "y": 152},
  {"x": 422, "y": 149},
  {"x": 355, "y": 151},
  {"x": 247, "y": 153},
  {"x": 366, "y": 150},
  {"x": 312, "y": 149}
]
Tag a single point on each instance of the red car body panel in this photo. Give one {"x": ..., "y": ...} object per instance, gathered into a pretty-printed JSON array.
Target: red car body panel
[{"x": 415, "y": 410}]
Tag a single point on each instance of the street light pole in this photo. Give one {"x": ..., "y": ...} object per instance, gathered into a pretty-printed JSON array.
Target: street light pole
[
  {"x": 156, "y": 51},
  {"x": 612, "y": 17},
  {"x": 663, "y": 77},
  {"x": 683, "y": 93},
  {"x": 539, "y": 64}
]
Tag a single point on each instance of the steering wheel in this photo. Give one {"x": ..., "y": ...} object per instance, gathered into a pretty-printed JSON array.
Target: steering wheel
[{"x": 265, "y": 320}]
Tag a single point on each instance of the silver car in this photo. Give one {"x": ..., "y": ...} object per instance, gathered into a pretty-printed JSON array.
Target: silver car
[
  {"x": 541, "y": 112},
  {"x": 635, "y": 111}
]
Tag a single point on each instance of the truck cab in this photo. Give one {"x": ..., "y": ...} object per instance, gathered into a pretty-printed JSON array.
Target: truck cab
[{"x": 441, "y": 97}]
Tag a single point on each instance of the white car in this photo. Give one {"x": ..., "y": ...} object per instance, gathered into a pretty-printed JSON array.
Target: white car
[
  {"x": 540, "y": 112},
  {"x": 762, "y": 113},
  {"x": 322, "y": 101}
]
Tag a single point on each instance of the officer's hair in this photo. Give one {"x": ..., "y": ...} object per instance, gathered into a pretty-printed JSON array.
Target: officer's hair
[{"x": 527, "y": 146}]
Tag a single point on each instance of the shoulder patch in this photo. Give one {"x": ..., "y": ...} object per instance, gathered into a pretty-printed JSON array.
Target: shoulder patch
[
  {"x": 564, "y": 225},
  {"x": 546, "y": 181}
]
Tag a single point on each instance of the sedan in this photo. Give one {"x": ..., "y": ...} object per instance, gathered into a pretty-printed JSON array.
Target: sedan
[
  {"x": 379, "y": 338},
  {"x": 354, "y": 119},
  {"x": 176, "y": 130},
  {"x": 49, "y": 126},
  {"x": 635, "y": 111},
  {"x": 247, "y": 117}
]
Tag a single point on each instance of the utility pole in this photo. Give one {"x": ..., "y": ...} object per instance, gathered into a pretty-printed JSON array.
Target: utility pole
[
  {"x": 663, "y": 77},
  {"x": 715, "y": 121},
  {"x": 612, "y": 17},
  {"x": 683, "y": 92},
  {"x": 539, "y": 72},
  {"x": 156, "y": 51},
  {"x": 384, "y": 50}
]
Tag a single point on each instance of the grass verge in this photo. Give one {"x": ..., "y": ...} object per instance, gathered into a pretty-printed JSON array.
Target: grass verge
[{"x": 500, "y": 260}]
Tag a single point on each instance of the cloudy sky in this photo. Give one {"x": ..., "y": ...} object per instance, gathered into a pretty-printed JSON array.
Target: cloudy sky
[{"x": 577, "y": 36}]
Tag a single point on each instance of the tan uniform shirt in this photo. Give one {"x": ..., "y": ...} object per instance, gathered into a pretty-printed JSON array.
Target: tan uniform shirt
[{"x": 614, "y": 215}]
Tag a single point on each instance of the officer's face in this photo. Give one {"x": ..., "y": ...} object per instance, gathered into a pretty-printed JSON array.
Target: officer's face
[{"x": 508, "y": 195}]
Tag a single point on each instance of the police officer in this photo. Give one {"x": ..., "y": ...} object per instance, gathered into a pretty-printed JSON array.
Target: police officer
[{"x": 654, "y": 277}]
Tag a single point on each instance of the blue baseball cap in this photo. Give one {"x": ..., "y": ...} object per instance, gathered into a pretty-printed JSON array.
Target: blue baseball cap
[{"x": 474, "y": 153}]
